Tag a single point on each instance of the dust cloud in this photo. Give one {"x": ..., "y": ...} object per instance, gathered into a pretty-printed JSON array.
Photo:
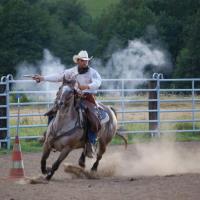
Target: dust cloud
[{"x": 155, "y": 158}]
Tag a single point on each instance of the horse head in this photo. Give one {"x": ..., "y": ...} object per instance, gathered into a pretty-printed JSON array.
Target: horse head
[{"x": 67, "y": 93}]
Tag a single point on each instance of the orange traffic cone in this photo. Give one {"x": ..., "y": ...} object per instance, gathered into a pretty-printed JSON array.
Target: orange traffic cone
[{"x": 17, "y": 170}]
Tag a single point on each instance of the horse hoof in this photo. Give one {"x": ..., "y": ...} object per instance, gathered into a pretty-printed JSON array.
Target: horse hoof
[
  {"x": 49, "y": 175},
  {"x": 44, "y": 172},
  {"x": 48, "y": 178},
  {"x": 94, "y": 169},
  {"x": 81, "y": 161},
  {"x": 81, "y": 164}
]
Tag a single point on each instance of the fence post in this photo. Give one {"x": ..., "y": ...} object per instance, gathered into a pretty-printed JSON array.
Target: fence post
[
  {"x": 153, "y": 106},
  {"x": 3, "y": 112}
]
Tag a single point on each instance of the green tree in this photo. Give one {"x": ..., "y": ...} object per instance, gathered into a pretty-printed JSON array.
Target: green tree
[
  {"x": 23, "y": 34},
  {"x": 171, "y": 18},
  {"x": 188, "y": 60},
  {"x": 70, "y": 29},
  {"x": 27, "y": 27},
  {"x": 125, "y": 21}
]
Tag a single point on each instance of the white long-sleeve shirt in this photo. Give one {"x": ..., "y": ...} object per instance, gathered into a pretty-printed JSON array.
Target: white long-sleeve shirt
[{"x": 90, "y": 78}]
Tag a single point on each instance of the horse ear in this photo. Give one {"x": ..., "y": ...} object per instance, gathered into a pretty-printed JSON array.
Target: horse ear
[
  {"x": 64, "y": 81},
  {"x": 70, "y": 82}
]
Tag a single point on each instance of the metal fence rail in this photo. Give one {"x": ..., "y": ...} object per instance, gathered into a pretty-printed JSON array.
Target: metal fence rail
[{"x": 153, "y": 106}]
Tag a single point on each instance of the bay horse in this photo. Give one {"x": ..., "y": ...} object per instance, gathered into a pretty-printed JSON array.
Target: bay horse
[{"x": 64, "y": 133}]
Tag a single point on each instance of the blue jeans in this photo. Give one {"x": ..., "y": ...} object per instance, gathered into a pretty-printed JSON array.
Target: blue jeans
[{"x": 91, "y": 137}]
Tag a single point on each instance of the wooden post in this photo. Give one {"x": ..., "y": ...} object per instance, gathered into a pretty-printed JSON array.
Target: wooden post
[
  {"x": 153, "y": 105},
  {"x": 3, "y": 113}
]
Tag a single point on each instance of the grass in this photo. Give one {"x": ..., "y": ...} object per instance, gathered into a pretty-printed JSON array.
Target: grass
[
  {"x": 29, "y": 131},
  {"x": 33, "y": 145},
  {"x": 187, "y": 137}
]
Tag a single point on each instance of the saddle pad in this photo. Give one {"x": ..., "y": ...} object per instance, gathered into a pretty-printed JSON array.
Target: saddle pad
[{"x": 103, "y": 116}]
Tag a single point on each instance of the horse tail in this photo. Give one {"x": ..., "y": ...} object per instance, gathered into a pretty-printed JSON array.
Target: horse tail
[
  {"x": 123, "y": 138},
  {"x": 114, "y": 111},
  {"x": 119, "y": 129}
]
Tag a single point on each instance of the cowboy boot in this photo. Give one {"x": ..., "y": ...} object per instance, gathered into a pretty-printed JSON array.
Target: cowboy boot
[{"x": 89, "y": 150}]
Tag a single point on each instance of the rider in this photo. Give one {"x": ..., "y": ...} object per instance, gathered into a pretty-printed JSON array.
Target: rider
[{"x": 88, "y": 80}]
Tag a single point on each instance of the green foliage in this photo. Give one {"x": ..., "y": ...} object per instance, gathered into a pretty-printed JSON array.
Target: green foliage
[
  {"x": 22, "y": 34},
  {"x": 95, "y": 8},
  {"x": 188, "y": 60},
  {"x": 27, "y": 28},
  {"x": 102, "y": 27},
  {"x": 23, "y": 98},
  {"x": 126, "y": 21}
]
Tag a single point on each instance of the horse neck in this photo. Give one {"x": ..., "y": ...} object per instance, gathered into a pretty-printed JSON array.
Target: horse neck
[{"x": 66, "y": 117}]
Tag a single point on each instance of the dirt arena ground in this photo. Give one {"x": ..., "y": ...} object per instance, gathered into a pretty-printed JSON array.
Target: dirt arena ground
[{"x": 145, "y": 171}]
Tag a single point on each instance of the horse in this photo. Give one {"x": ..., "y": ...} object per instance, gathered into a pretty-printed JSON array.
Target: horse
[{"x": 64, "y": 133}]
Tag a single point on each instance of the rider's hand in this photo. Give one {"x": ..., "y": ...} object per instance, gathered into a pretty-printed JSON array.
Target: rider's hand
[
  {"x": 83, "y": 87},
  {"x": 38, "y": 78}
]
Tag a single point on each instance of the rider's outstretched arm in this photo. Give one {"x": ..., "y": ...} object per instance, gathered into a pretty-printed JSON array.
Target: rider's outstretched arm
[{"x": 50, "y": 78}]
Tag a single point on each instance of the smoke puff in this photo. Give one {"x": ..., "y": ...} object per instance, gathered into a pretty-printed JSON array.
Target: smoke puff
[
  {"x": 49, "y": 65},
  {"x": 130, "y": 62}
]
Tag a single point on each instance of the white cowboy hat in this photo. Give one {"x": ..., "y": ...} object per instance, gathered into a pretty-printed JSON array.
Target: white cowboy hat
[{"x": 83, "y": 55}]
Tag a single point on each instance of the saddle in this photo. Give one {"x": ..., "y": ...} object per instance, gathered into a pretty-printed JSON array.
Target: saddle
[{"x": 95, "y": 115}]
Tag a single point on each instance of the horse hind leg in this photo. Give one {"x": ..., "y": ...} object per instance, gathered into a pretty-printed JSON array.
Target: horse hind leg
[
  {"x": 102, "y": 149},
  {"x": 81, "y": 161},
  {"x": 56, "y": 164}
]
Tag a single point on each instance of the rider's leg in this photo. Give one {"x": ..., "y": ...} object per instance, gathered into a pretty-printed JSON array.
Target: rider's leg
[{"x": 92, "y": 137}]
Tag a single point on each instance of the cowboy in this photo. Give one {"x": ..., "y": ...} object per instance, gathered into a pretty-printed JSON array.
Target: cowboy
[{"x": 88, "y": 80}]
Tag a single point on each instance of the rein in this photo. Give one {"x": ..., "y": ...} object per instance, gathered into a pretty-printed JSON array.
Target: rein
[{"x": 67, "y": 133}]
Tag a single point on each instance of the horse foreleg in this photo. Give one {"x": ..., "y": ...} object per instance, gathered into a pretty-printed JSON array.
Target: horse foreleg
[
  {"x": 102, "y": 149},
  {"x": 81, "y": 161},
  {"x": 45, "y": 155},
  {"x": 56, "y": 164}
]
